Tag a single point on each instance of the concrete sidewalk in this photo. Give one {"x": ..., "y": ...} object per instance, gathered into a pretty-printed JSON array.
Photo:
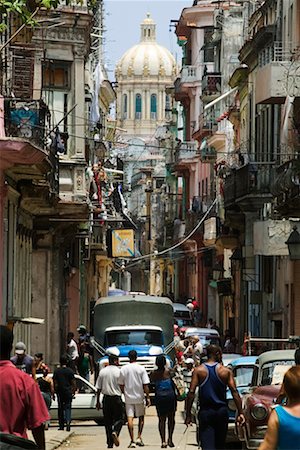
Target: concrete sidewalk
[{"x": 54, "y": 437}]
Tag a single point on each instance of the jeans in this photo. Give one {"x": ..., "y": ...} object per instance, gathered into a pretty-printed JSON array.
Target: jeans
[
  {"x": 213, "y": 425},
  {"x": 113, "y": 410},
  {"x": 64, "y": 409}
]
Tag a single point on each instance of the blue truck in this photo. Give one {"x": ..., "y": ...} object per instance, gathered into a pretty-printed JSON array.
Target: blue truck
[{"x": 140, "y": 322}]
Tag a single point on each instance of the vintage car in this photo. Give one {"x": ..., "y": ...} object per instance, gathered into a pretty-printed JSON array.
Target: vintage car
[
  {"x": 84, "y": 403},
  {"x": 242, "y": 369},
  {"x": 258, "y": 402}
]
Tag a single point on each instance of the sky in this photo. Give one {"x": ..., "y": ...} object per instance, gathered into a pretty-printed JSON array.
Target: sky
[{"x": 122, "y": 22}]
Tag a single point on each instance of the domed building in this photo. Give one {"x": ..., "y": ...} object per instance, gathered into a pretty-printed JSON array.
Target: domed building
[{"x": 142, "y": 75}]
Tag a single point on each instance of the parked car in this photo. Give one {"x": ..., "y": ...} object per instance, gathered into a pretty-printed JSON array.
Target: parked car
[
  {"x": 259, "y": 400},
  {"x": 228, "y": 358},
  {"x": 242, "y": 369},
  {"x": 182, "y": 316},
  {"x": 84, "y": 403}
]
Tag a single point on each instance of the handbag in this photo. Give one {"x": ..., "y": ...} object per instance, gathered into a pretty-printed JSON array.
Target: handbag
[{"x": 179, "y": 387}]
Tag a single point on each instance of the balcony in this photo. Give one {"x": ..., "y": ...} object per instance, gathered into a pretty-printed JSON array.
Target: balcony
[
  {"x": 207, "y": 126},
  {"x": 211, "y": 86},
  {"x": 186, "y": 151},
  {"x": 189, "y": 75},
  {"x": 26, "y": 120},
  {"x": 248, "y": 187},
  {"x": 208, "y": 154},
  {"x": 277, "y": 74},
  {"x": 286, "y": 188}
]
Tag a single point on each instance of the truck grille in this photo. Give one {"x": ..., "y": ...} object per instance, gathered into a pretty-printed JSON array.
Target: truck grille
[{"x": 147, "y": 362}]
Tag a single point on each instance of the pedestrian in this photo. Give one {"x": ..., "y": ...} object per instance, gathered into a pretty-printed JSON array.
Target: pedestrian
[
  {"x": 21, "y": 360},
  {"x": 134, "y": 382},
  {"x": 297, "y": 357},
  {"x": 65, "y": 387},
  {"x": 85, "y": 362},
  {"x": 187, "y": 373},
  {"x": 284, "y": 423},
  {"x": 165, "y": 400},
  {"x": 21, "y": 403},
  {"x": 72, "y": 351},
  {"x": 84, "y": 336},
  {"x": 47, "y": 389},
  {"x": 210, "y": 323},
  {"x": 113, "y": 409},
  {"x": 212, "y": 378},
  {"x": 38, "y": 364}
]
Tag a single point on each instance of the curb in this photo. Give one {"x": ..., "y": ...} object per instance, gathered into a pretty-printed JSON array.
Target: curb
[{"x": 56, "y": 440}]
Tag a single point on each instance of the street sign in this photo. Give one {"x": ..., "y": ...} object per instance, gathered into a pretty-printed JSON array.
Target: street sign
[{"x": 122, "y": 243}]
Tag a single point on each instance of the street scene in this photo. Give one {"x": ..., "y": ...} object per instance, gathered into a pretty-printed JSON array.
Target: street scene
[{"x": 150, "y": 224}]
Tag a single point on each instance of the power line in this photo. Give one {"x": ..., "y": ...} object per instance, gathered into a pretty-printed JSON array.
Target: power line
[{"x": 183, "y": 240}]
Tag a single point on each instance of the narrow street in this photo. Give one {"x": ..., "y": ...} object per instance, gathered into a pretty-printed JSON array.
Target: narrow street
[{"x": 88, "y": 435}]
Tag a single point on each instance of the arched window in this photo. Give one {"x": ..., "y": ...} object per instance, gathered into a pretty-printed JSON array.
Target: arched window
[
  {"x": 153, "y": 106},
  {"x": 125, "y": 106},
  {"x": 138, "y": 106}
]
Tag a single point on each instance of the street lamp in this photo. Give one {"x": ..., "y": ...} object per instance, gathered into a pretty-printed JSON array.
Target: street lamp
[{"x": 293, "y": 244}]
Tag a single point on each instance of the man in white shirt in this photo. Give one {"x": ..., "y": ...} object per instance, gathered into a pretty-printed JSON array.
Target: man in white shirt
[
  {"x": 108, "y": 383},
  {"x": 72, "y": 351},
  {"x": 134, "y": 382}
]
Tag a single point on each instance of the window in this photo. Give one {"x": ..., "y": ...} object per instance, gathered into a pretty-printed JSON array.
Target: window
[
  {"x": 168, "y": 109},
  {"x": 153, "y": 107},
  {"x": 138, "y": 106},
  {"x": 125, "y": 106},
  {"x": 56, "y": 75},
  {"x": 209, "y": 48}
]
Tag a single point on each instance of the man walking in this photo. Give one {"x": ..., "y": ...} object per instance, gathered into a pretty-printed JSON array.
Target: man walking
[
  {"x": 65, "y": 387},
  {"x": 108, "y": 383},
  {"x": 213, "y": 378},
  {"x": 72, "y": 351},
  {"x": 21, "y": 360},
  {"x": 21, "y": 403},
  {"x": 134, "y": 382}
]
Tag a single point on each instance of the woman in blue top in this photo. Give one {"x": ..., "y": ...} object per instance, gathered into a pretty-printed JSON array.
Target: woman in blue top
[
  {"x": 283, "y": 431},
  {"x": 165, "y": 400}
]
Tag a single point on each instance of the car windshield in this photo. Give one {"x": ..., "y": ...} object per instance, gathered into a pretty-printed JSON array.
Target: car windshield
[
  {"x": 206, "y": 340},
  {"x": 183, "y": 322},
  {"x": 267, "y": 376},
  {"x": 134, "y": 337},
  {"x": 243, "y": 375}
]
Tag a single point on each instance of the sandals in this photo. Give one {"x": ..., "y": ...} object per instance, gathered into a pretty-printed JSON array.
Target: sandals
[{"x": 164, "y": 445}]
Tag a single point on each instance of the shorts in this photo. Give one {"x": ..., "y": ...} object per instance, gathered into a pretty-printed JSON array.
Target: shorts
[{"x": 135, "y": 409}]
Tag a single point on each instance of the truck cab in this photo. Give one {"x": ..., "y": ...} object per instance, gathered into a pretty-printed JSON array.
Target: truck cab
[{"x": 134, "y": 322}]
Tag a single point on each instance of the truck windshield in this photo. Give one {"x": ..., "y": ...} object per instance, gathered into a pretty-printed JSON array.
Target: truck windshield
[{"x": 133, "y": 337}]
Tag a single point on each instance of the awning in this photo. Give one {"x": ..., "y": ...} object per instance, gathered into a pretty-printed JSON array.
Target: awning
[{"x": 219, "y": 99}]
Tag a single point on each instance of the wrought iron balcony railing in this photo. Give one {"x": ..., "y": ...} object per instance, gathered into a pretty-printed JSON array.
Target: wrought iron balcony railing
[{"x": 211, "y": 84}]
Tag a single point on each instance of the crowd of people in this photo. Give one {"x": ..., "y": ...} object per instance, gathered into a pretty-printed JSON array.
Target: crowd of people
[{"x": 25, "y": 400}]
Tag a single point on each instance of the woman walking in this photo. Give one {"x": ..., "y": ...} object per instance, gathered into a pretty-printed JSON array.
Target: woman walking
[
  {"x": 47, "y": 389},
  {"x": 283, "y": 431},
  {"x": 165, "y": 400}
]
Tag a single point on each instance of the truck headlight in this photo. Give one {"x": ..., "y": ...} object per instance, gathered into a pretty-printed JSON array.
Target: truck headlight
[
  {"x": 259, "y": 412},
  {"x": 155, "y": 350}
]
